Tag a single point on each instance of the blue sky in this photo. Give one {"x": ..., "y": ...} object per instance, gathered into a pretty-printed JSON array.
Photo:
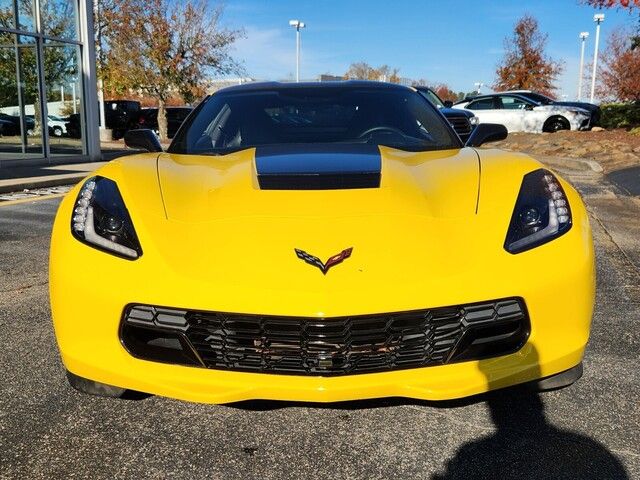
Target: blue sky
[{"x": 455, "y": 42}]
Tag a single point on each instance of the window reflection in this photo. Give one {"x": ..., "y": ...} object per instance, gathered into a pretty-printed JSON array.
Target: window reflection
[
  {"x": 26, "y": 15},
  {"x": 29, "y": 94},
  {"x": 64, "y": 98},
  {"x": 6, "y": 14},
  {"x": 59, "y": 18},
  {"x": 20, "y": 122},
  {"x": 10, "y": 130},
  {"x": 24, "y": 115}
]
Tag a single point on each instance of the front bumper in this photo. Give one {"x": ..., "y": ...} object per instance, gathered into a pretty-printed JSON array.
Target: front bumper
[
  {"x": 90, "y": 290},
  {"x": 91, "y": 348},
  {"x": 580, "y": 122}
]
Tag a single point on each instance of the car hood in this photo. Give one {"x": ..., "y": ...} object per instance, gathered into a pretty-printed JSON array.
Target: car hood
[
  {"x": 273, "y": 184},
  {"x": 584, "y": 105},
  {"x": 456, "y": 112},
  {"x": 204, "y": 221}
]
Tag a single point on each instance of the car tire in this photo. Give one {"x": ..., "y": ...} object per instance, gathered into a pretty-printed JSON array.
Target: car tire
[
  {"x": 91, "y": 387},
  {"x": 57, "y": 131},
  {"x": 559, "y": 380},
  {"x": 555, "y": 124}
]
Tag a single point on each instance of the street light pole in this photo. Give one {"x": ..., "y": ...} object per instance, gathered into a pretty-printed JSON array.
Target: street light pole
[
  {"x": 583, "y": 37},
  {"x": 598, "y": 18},
  {"x": 479, "y": 85},
  {"x": 297, "y": 24}
]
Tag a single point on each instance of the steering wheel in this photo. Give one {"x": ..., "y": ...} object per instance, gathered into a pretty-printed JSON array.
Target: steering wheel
[{"x": 381, "y": 129}]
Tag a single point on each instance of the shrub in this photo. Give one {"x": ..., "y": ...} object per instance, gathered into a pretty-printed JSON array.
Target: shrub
[{"x": 620, "y": 115}]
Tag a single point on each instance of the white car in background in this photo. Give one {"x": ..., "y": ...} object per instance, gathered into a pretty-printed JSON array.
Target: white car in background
[
  {"x": 57, "y": 125},
  {"x": 521, "y": 114}
]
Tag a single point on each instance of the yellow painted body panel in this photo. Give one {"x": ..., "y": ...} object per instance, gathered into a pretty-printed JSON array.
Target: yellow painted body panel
[{"x": 432, "y": 235}]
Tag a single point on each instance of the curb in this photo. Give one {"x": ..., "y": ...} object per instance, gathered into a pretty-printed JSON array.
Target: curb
[
  {"x": 29, "y": 184},
  {"x": 585, "y": 164}
]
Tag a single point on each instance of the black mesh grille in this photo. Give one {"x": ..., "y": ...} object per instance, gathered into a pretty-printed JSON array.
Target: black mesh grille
[
  {"x": 460, "y": 124},
  {"x": 334, "y": 346}
]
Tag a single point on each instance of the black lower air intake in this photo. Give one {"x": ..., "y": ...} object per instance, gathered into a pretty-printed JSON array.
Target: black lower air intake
[{"x": 326, "y": 346}]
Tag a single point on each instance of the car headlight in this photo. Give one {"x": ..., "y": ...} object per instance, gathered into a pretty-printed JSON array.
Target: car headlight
[
  {"x": 541, "y": 213},
  {"x": 474, "y": 121},
  {"x": 101, "y": 219}
]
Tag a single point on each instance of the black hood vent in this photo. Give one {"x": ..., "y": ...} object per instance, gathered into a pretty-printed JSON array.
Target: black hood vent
[{"x": 318, "y": 166}]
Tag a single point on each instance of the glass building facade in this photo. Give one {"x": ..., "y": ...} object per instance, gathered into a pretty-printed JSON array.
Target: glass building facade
[{"x": 48, "y": 102}]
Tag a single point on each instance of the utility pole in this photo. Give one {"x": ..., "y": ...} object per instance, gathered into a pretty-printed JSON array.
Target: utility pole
[
  {"x": 598, "y": 18},
  {"x": 96, "y": 10},
  {"x": 297, "y": 24},
  {"x": 583, "y": 39}
]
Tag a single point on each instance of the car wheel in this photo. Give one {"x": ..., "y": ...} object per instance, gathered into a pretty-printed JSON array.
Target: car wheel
[
  {"x": 91, "y": 387},
  {"x": 555, "y": 124},
  {"x": 57, "y": 131}
]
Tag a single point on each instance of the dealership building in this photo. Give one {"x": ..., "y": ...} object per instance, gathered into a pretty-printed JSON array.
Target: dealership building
[{"x": 48, "y": 100}]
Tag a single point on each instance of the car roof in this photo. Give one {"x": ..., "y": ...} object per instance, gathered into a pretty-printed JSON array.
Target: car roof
[
  {"x": 340, "y": 84},
  {"x": 497, "y": 94}
]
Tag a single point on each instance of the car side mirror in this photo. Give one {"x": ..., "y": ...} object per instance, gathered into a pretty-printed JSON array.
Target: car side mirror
[
  {"x": 142, "y": 139},
  {"x": 486, "y": 132},
  {"x": 448, "y": 104}
]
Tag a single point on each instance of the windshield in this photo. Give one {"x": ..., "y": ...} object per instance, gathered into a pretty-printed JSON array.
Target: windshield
[
  {"x": 230, "y": 121},
  {"x": 432, "y": 97},
  {"x": 538, "y": 97}
]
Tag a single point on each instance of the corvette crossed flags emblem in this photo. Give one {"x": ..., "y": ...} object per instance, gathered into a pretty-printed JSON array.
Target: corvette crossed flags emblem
[{"x": 324, "y": 267}]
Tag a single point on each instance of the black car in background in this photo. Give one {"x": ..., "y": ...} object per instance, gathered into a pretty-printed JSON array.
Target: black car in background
[
  {"x": 73, "y": 126},
  {"x": 6, "y": 128},
  {"x": 121, "y": 116},
  {"x": 462, "y": 121},
  {"x": 10, "y": 124},
  {"x": 148, "y": 118},
  {"x": 544, "y": 100}
]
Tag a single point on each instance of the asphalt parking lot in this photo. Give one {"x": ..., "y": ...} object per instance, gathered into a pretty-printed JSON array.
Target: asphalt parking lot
[{"x": 589, "y": 430}]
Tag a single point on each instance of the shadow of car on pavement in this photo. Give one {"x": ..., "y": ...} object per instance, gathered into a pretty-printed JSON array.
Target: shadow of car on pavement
[{"x": 524, "y": 444}]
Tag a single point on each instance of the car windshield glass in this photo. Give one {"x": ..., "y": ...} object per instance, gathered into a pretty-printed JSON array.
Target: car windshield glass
[
  {"x": 398, "y": 118},
  {"x": 538, "y": 98},
  {"x": 432, "y": 97}
]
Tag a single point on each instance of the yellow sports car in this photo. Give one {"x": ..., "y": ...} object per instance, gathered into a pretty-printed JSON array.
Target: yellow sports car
[{"x": 320, "y": 242}]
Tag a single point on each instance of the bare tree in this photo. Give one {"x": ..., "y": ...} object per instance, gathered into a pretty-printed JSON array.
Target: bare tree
[{"x": 364, "y": 71}]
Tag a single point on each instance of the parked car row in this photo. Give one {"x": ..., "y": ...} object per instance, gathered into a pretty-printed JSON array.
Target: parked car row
[
  {"x": 124, "y": 115},
  {"x": 518, "y": 110},
  {"x": 10, "y": 125},
  {"x": 148, "y": 118},
  {"x": 526, "y": 111},
  {"x": 462, "y": 121}
]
